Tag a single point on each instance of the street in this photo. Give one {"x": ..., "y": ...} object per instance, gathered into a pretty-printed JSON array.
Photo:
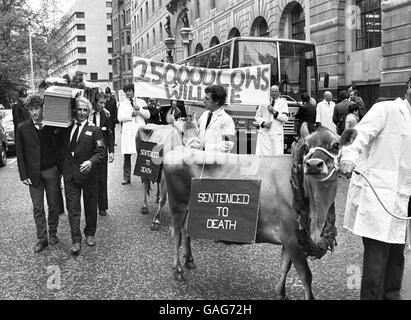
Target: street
[{"x": 132, "y": 262}]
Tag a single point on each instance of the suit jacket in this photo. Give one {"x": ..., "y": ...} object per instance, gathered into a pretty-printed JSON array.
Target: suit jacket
[
  {"x": 28, "y": 150},
  {"x": 90, "y": 146},
  {"x": 306, "y": 113},
  {"x": 107, "y": 131},
  {"x": 340, "y": 113},
  {"x": 111, "y": 105}
]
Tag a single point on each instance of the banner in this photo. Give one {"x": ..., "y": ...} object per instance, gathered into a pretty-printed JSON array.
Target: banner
[
  {"x": 148, "y": 163},
  {"x": 154, "y": 79},
  {"x": 224, "y": 209}
]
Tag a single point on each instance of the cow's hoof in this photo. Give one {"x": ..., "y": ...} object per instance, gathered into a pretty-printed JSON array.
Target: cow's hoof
[
  {"x": 144, "y": 210},
  {"x": 190, "y": 265},
  {"x": 155, "y": 225},
  {"x": 178, "y": 276}
]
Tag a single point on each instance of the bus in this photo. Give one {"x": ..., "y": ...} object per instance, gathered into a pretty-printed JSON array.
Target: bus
[{"x": 293, "y": 69}]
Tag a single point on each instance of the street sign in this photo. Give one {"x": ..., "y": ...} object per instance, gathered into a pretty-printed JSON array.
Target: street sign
[
  {"x": 224, "y": 209},
  {"x": 149, "y": 160}
]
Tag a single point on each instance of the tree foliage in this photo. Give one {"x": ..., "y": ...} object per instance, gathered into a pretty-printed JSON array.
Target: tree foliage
[{"x": 16, "y": 16}]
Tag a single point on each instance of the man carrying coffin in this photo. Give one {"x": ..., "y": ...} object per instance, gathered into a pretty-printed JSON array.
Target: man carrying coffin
[
  {"x": 83, "y": 150},
  {"x": 217, "y": 129},
  {"x": 105, "y": 123}
]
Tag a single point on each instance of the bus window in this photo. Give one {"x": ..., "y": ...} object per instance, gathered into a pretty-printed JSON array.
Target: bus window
[
  {"x": 202, "y": 60},
  {"x": 225, "y": 62},
  {"x": 214, "y": 60},
  {"x": 191, "y": 62},
  {"x": 253, "y": 53},
  {"x": 298, "y": 69}
]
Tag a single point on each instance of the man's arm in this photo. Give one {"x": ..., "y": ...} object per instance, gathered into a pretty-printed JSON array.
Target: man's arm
[
  {"x": 99, "y": 147},
  {"x": 283, "y": 112},
  {"x": 21, "y": 154},
  {"x": 125, "y": 112}
]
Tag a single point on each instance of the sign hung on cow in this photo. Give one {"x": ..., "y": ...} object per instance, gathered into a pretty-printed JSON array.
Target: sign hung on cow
[
  {"x": 149, "y": 160},
  {"x": 248, "y": 86},
  {"x": 224, "y": 209}
]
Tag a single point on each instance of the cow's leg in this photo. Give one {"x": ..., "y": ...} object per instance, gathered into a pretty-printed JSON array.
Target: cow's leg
[
  {"x": 303, "y": 269},
  {"x": 189, "y": 260},
  {"x": 155, "y": 224},
  {"x": 144, "y": 209},
  {"x": 177, "y": 228},
  {"x": 285, "y": 267},
  {"x": 158, "y": 193}
]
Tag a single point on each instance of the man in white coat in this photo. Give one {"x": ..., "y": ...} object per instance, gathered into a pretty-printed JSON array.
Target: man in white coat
[
  {"x": 217, "y": 129},
  {"x": 132, "y": 115},
  {"x": 271, "y": 119},
  {"x": 325, "y": 111},
  {"x": 382, "y": 151}
]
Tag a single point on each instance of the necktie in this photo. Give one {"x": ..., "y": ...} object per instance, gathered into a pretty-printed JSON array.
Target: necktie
[
  {"x": 39, "y": 126},
  {"x": 132, "y": 102},
  {"x": 95, "y": 118},
  {"x": 209, "y": 119},
  {"x": 73, "y": 141}
]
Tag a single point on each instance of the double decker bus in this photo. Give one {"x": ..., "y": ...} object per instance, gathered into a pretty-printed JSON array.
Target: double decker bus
[{"x": 293, "y": 69}]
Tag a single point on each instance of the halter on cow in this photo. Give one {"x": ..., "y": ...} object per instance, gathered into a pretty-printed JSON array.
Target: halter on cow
[{"x": 302, "y": 216}]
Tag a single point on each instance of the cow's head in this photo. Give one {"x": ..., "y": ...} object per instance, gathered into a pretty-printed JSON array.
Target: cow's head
[{"x": 318, "y": 157}]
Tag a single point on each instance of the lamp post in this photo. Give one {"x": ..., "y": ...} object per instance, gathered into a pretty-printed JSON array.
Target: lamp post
[{"x": 31, "y": 60}]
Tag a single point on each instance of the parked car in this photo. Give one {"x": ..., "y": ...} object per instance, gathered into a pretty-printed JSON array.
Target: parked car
[
  {"x": 8, "y": 126},
  {"x": 3, "y": 146}
]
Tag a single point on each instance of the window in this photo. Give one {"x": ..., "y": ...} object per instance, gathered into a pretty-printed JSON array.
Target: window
[
  {"x": 108, "y": 15},
  {"x": 154, "y": 37},
  {"x": 109, "y": 27},
  {"x": 129, "y": 64},
  {"x": 146, "y": 10},
  {"x": 122, "y": 41},
  {"x": 148, "y": 41},
  {"x": 159, "y": 4},
  {"x": 110, "y": 50},
  {"x": 110, "y": 76},
  {"x": 116, "y": 47},
  {"x": 197, "y": 10},
  {"x": 161, "y": 32},
  {"x": 212, "y": 4},
  {"x": 135, "y": 24},
  {"x": 368, "y": 34},
  {"x": 81, "y": 26},
  {"x": 127, "y": 17},
  {"x": 109, "y": 39},
  {"x": 152, "y": 6},
  {"x": 214, "y": 59},
  {"x": 93, "y": 76},
  {"x": 82, "y": 62},
  {"x": 81, "y": 38},
  {"x": 110, "y": 62},
  {"x": 128, "y": 38},
  {"x": 82, "y": 50},
  {"x": 108, "y": 4},
  {"x": 80, "y": 15},
  {"x": 297, "y": 23}
]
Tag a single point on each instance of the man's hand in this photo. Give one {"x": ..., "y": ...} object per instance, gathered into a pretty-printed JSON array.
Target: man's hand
[
  {"x": 27, "y": 182},
  {"x": 267, "y": 125},
  {"x": 110, "y": 157},
  {"x": 106, "y": 112},
  {"x": 346, "y": 168},
  {"x": 227, "y": 146},
  {"x": 86, "y": 166}
]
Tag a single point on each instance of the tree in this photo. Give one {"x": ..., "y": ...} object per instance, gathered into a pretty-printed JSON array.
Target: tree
[{"x": 16, "y": 16}]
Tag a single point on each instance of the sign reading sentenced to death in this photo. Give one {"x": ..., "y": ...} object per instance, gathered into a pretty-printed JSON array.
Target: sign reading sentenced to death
[
  {"x": 149, "y": 160},
  {"x": 248, "y": 86},
  {"x": 223, "y": 209}
]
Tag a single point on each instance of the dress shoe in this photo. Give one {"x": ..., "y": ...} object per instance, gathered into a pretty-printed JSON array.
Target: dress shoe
[
  {"x": 90, "y": 241},
  {"x": 102, "y": 213},
  {"x": 75, "y": 249},
  {"x": 53, "y": 239},
  {"x": 125, "y": 181},
  {"x": 40, "y": 246}
]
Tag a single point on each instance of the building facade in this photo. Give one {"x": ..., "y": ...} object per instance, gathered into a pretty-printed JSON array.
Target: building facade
[
  {"x": 361, "y": 42},
  {"x": 84, "y": 39},
  {"x": 122, "y": 59}
]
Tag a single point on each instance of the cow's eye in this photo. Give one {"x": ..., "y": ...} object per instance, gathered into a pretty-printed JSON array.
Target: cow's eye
[{"x": 336, "y": 146}]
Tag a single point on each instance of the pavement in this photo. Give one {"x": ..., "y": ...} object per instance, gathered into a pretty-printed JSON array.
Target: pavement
[{"x": 131, "y": 262}]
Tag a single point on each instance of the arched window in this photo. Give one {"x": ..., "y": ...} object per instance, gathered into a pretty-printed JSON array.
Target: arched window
[
  {"x": 161, "y": 31},
  {"x": 214, "y": 41},
  {"x": 148, "y": 41},
  {"x": 234, "y": 32},
  {"x": 259, "y": 28},
  {"x": 297, "y": 23},
  {"x": 198, "y": 48},
  {"x": 154, "y": 37}
]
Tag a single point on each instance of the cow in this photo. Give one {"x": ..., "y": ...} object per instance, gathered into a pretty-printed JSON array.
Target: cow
[{"x": 297, "y": 196}]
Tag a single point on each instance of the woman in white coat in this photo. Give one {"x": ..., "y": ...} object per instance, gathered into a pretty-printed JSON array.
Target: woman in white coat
[
  {"x": 132, "y": 115},
  {"x": 382, "y": 150}
]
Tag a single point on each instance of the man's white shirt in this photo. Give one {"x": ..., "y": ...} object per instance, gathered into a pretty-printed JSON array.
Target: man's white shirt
[{"x": 325, "y": 113}]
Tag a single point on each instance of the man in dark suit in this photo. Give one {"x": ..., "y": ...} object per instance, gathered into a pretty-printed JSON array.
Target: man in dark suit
[
  {"x": 39, "y": 166},
  {"x": 83, "y": 150},
  {"x": 341, "y": 111},
  {"x": 101, "y": 120},
  {"x": 111, "y": 106},
  {"x": 20, "y": 113},
  {"x": 306, "y": 113}
]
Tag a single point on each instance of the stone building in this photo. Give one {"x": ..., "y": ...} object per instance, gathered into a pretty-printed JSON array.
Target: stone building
[
  {"x": 361, "y": 42},
  {"x": 85, "y": 42}
]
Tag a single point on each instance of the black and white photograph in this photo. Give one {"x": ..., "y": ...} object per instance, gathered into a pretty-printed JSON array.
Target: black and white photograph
[{"x": 209, "y": 156}]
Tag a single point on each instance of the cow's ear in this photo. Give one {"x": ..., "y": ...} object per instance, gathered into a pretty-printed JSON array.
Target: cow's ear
[
  {"x": 348, "y": 137},
  {"x": 304, "y": 133}
]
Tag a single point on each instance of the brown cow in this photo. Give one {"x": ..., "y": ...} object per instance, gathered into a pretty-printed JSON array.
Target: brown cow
[{"x": 299, "y": 215}]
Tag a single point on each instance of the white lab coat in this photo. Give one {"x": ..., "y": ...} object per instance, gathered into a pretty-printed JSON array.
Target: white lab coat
[
  {"x": 325, "y": 113},
  {"x": 221, "y": 124},
  {"x": 382, "y": 150},
  {"x": 131, "y": 124},
  {"x": 270, "y": 142}
]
